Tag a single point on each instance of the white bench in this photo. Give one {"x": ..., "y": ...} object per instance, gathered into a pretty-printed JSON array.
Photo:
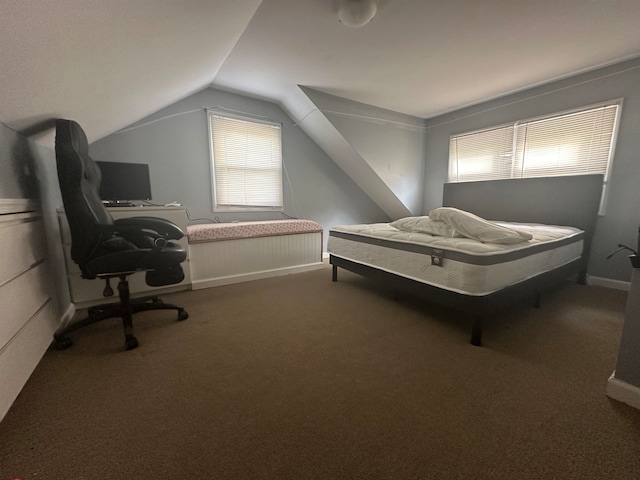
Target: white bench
[{"x": 225, "y": 253}]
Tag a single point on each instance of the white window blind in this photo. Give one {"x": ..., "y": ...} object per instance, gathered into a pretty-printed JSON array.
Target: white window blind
[
  {"x": 568, "y": 143},
  {"x": 481, "y": 156},
  {"x": 247, "y": 163}
]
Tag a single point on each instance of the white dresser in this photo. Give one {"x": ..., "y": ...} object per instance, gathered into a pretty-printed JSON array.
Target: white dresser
[
  {"x": 29, "y": 316},
  {"x": 85, "y": 293}
]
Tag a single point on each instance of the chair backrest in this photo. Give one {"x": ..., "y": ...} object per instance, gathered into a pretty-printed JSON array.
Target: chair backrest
[{"x": 79, "y": 178}]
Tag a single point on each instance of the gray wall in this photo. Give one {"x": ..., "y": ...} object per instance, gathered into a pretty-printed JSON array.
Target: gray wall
[
  {"x": 46, "y": 174},
  {"x": 174, "y": 142},
  {"x": 390, "y": 143},
  {"x": 17, "y": 179},
  {"x": 628, "y": 364},
  {"x": 620, "y": 222}
]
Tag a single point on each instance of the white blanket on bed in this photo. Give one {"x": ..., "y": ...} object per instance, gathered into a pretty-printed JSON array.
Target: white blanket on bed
[{"x": 539, "y": 234}]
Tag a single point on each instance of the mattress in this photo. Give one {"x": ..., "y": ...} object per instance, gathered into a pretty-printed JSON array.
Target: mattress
[{"x": 461, "y": 265}]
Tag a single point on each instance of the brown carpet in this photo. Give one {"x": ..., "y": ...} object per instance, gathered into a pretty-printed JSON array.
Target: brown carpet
[{"x": 297, "y": 377}]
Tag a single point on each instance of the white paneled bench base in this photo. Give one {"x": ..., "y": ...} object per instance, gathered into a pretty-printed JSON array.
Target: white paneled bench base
[{"x": 225, "y": 253}]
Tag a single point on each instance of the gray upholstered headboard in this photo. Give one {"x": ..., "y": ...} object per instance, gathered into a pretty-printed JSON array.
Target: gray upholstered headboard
[{"x": 568, "y": 200}]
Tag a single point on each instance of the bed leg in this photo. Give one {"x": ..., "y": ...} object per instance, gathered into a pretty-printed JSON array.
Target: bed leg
[
  {"x": 334, "y": 273},
  {"x": 582, "y": 278},
  {"x": 476, "y": 331}
]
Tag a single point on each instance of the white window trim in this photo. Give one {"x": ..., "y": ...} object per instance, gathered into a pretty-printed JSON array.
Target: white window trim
[{"x": 239, "y": 208}]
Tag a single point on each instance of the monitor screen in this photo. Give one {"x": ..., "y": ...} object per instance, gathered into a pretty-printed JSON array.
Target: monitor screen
[{"x": 124, "y": 181}]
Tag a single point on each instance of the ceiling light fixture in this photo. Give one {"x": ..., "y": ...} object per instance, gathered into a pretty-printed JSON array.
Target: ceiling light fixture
[{"x": 356, "y": 13}]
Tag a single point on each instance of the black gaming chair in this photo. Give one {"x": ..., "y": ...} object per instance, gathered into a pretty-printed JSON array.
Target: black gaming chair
[{"x": 106, "y": 249}]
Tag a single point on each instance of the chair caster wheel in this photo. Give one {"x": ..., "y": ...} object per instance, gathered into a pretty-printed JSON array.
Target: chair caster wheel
[
  {"x": 182, "y": 315},
  {"x": 156, "y": 300},
  {"x": 62, "y": 343},
  {"x": 130, "y": 343}
]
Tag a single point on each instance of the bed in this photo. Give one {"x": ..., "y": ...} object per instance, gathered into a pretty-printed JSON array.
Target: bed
[{"x": 563, "y": 210}]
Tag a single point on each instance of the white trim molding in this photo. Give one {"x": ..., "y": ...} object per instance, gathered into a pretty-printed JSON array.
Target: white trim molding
[
  {"x": 623, "y": 392},
  {"x": 609, "y": 283}
]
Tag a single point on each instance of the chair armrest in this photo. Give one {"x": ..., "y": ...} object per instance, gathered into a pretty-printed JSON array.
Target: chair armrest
[{"x": 161, "y": 226}]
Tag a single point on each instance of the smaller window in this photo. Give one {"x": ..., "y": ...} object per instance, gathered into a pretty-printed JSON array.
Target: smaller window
[{"x": 246, "y": 160}]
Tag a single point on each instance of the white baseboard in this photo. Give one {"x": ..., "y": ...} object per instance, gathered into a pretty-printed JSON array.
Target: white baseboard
[
  {"x": 245, "y": 277},
  {"x": 623, "y": 392},
  {"x": 609, "y": 283}
]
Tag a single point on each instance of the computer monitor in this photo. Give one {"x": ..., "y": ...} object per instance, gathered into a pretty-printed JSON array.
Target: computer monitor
[{"x": 124, "y": 182}]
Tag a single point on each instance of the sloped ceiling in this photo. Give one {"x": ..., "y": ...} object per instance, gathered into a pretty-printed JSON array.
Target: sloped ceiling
[
  {"x": 109, "y": 63},
  {"x": 427, "y": 57}
]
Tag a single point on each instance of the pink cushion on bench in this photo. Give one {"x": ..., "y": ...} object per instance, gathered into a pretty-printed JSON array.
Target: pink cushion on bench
[{"x": 211, "y": 232}]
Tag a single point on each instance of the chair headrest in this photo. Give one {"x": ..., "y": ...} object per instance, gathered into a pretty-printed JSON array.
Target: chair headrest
[{"x": 69, "y": 134}]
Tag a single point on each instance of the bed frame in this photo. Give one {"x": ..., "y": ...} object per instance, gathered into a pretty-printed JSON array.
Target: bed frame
[{"x": 568, "y": 200}]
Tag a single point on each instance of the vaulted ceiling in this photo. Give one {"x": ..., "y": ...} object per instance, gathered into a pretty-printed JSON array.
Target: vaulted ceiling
[{"x": 108, "y": 63}]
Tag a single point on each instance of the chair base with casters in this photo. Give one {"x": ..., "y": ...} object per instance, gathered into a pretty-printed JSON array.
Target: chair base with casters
[{"x": 123, "y": 309}]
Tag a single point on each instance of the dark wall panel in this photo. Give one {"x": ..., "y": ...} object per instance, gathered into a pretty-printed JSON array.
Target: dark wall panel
[{"x": 17, "y": 179}]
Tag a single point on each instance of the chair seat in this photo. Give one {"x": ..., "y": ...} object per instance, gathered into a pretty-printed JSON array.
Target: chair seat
[{"x": 134, "y": 260}]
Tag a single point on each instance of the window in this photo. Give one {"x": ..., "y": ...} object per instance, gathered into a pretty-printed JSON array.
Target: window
[
  {"x": 246, "y": 158},
  {"x": 567, "y": 143}
]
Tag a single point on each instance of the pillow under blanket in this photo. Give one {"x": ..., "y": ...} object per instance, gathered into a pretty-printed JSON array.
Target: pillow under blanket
[
  {"x": 425, "y": 225},
  {"x": 478, "y": 228}
]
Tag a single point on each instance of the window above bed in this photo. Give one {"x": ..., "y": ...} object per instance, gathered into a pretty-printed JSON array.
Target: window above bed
[
  {"x": 246, "y": 159},
  {"x": 572, "y": 142}
]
